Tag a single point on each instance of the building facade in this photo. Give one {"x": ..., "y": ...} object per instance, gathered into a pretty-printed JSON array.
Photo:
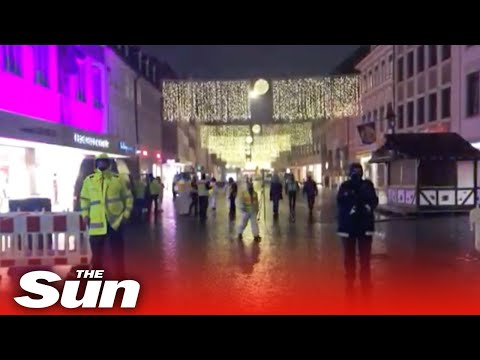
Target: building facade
[
  {"x": 145, "y": 89},
  {"x": 424, "y": 76},
  {"x": 466, "y": 92},
  {"x": 53, "y": 113},
  {"x": 121, "y": 106},
  {"x": 376, "y": 73}
]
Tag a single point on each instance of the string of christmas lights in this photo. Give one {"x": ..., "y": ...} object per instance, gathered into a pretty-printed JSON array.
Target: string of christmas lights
[
  {"x": 228, "y": 142},
  {"x": 206, "y": 101},
  {"x": 316, "y": 99}
]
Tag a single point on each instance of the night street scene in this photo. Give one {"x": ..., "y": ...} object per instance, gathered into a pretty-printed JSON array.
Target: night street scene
[{"x": 242, "y": 179}]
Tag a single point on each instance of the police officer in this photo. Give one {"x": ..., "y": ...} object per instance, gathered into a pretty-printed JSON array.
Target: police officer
[
  {"x": 357, "y": 200},
  {"x": 140, "y": 191},
  {"x": 106, "y": 203}
]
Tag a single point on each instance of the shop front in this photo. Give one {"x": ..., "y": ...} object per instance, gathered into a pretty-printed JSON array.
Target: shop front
[
  {"x": 429, "y": 172},
  {"x": 44, "y": 160},
  {"x": 150, "y": 161}
]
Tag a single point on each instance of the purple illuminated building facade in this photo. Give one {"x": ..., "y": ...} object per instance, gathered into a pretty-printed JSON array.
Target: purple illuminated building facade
[{"x": 64, "y": 84}]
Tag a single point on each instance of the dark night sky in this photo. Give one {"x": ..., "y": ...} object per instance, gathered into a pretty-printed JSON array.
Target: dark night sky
[{"x": 249, "y": 61}]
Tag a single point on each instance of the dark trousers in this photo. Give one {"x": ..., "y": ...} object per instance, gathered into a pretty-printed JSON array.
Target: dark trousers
[
  {"x": 364, "y": 244},
  {"x": 276, "y": 202},
  {"x": 154, "y": 200},
  {"x": 194, "y": 205},
  {"x": 138, "y": 207},
  {"x": 203, "y": 205},
  {"x": 233, "y": 209},
  {"x": 292, "y": 200},
  {"x": 114, "y": 240},
  {"x": 311, "y": 202}
]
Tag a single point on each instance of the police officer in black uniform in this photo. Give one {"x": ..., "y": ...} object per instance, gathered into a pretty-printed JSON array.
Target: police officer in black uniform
[{"x": 357, "y": 200}]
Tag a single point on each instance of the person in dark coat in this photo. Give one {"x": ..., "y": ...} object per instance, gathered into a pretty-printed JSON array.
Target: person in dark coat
[
  {"x": 311, "y": 191},
  {"x": 232, "y": 190},
  {"x": 356, "y": 201},
  {"x": 291, "y": 189},
  {"x": 276, "y": 195}
]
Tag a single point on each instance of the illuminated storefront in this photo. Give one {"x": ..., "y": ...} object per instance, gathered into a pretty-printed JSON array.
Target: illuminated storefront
[{"x": 48, "y": 168}]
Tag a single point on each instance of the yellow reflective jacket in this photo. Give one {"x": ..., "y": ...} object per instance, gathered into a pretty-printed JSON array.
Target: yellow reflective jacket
[
  {"x": 154, "y": 187},
  {"x": 249, "y": 203},
  {"x": 202, "y": 188},
  {"x": 139, "y": 189},
  {"x": 105, "y": 198}
]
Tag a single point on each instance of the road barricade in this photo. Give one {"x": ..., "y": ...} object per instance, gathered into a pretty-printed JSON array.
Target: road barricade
[{"x": 43, "y": 239}]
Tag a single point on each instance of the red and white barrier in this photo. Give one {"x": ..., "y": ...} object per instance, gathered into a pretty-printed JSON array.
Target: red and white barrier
[{"x": 43, "y": 239}]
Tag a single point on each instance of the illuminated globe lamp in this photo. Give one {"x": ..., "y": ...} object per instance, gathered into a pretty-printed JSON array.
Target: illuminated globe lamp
[
  {"x": 256, "y": 129},
  {"x": 261, "y": 87},
  {"x": 249, "y": 140}
]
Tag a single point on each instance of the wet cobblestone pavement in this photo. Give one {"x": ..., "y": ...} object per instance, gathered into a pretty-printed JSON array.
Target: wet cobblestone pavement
[
  {"x": 295, "y": 263},
  {"x": 185, "y": 267}
]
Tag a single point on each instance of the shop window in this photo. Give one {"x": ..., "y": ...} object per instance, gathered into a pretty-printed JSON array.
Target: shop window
[
  {"x": 40, "y": 64},
  {"x": 437, "y": 173},
  {"x": 402, "y": 173},
  {"x": 380, "y": 175}
]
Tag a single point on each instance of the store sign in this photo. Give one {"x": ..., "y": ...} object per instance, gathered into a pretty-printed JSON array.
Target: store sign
[
  {"x": 126, "y": 148},
  {"x": 40, "y": 131},
  {"x": 437, "y": 128},
  {"x": 91, "y": 141}
]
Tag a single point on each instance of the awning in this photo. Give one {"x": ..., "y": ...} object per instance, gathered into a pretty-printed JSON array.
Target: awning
[{"x": 425, "y": 146}]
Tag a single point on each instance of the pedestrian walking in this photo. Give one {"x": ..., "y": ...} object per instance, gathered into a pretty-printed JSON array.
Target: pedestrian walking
[
  {"x": 310, "y": 190},
  {"x": 203, "y": 189},
  {"x": 250, "y": 207},
  {"x": 291, "y": 189},
  {"x": 194, "y": 197},
  {"x": 232, "y": 190},
  {"x": 213, "y": 193},
  {"x": 276, "y": 194}
]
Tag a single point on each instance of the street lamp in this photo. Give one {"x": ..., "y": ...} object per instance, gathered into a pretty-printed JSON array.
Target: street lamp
[{"x": 391, "y": 118}]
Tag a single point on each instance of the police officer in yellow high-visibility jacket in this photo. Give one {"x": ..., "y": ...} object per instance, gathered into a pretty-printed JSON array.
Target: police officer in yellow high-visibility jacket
[
  {"x": 106, "y": 203},
  {"x": 249, "y": 207},
  {"x": 140, "y": 191}
]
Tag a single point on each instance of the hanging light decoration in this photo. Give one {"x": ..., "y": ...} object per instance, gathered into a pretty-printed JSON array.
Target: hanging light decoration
[
  {"x": 229, "y": 143},
  {"x": 206, "y": 101},
  {"x": 316, "y": 98},
  {"x": 293, "y": 100}
]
